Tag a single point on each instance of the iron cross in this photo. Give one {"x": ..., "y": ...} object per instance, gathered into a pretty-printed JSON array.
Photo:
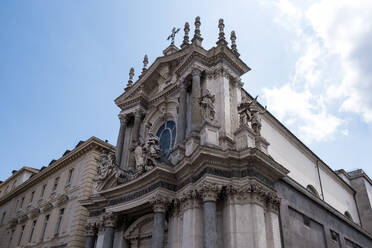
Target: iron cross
[{"x": 173, "y": 34}]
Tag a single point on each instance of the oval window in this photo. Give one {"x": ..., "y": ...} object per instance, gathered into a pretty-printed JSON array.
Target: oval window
[{"x": 167, "y": 136}]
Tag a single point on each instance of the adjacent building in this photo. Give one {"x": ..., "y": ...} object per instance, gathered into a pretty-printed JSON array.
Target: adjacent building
[{"x": 40, "y": 208}]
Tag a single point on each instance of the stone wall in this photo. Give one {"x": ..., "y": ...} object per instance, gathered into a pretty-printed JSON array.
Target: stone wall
[{"x": 306, "y": 223}]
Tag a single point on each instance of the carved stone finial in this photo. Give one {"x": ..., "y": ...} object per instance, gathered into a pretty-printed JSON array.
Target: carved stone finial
[
  {"x": 131, "y": 75},
  {"x": 197, "y": 39},
  {"x": 186, "y": 42},
  {"x": 145, "y": 62},
  {"x": 173, "y": 35},
  {"x": 221, "y": 35},
  {"x": 233, "y": 43}
]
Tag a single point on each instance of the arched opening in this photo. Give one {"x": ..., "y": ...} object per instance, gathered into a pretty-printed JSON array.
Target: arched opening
[{"x": 312, "y": 190}]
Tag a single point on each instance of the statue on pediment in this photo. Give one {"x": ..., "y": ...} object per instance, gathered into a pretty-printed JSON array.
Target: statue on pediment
[
  {"x": 207, "y": 106},
  {"x": 250, "y": 112}
]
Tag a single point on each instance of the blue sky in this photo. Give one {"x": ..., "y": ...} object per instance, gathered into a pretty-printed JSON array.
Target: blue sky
[{"x": 62, "y": 63}]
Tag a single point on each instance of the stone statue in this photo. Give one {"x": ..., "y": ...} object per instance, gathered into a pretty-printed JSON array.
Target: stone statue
[
  {"x": 106, "y": 169},
  {"x": 207, "y": 106},
  {"x": 250, "y": 112}
]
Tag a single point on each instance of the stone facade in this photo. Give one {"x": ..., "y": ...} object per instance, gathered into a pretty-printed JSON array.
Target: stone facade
[
  {"x": 198, "y": 163},
  {"x": 44, "y": 209}
]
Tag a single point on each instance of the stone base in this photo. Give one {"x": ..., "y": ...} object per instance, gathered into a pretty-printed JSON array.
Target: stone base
[
  {"x": 245, "y": 138},
  {"x": 262, "y": 144},
  {"x": 209, "y": 135}
]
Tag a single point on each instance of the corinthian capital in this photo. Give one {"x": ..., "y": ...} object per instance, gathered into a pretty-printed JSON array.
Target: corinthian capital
[
  {"x": 159, "y": 203},
  {"x": 209, "y": 191},
  {"x": 109, "y": 219},
  {"x": 196, "y": 71},
  {"x": 90, "y": 229}
]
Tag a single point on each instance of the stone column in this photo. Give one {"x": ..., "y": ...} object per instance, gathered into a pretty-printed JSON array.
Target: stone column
[
  {"x": 182, "y": 109},
  {"x": 136, "y": 127},
  {"x": 90, "y": 236},
  {"x": 120, "y": 141},
  {"x": 159, "y": 206},
  {"x": 195, "y": 97},
  {"x": 108, "y": 236},
  {"x": 209, "y": 195}
]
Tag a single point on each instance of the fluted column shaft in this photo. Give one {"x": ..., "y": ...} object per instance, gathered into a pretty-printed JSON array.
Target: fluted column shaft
[
  {"x": 195, "y": 98},
  {"x": 120, "y": 141},
  {"x": 136, "y": 127},
  {"x": 108, "y": 235},
  {"x": 159, "y": 225},
  {"x": 181, "y": 121},
  {"x": 210, "y": 220},
  {"x": 89, "y": 242}
]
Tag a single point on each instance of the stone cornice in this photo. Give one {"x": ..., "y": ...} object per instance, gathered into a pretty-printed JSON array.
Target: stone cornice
[{"x": 91, "y": 144}]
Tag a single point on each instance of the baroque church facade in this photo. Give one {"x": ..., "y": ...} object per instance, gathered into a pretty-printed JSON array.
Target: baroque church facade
[{"x": 199, "y": 162}]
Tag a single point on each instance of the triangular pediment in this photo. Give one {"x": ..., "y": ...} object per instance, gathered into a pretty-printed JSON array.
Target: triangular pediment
[{"x": 166, "y": 70}]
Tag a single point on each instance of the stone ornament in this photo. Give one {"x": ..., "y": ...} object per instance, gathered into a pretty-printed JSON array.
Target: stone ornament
[
  {"x": 253, "y": 193},
  {"x": 131, "y": 75},
  {"x": 91, "y": 229},
  {"x": 147, "y": 155},
  {"x": 249, "y": 112},
  {"x": 159, "y": 203},
  {"x": 221, "y": 34},
  {"x": 209, "y": 191},
  {"x": 233, "y": 43},
  {"x": 109, "y": 219},
  {"x": 197, "y": 39},
  {"x": 106, "y": 169},
  {"x": 207, "y": 106},
  {"x": 145, "y": 62},
  {"x": 186, "y": 42}
]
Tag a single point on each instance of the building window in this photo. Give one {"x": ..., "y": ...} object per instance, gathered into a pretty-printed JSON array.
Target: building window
[
  {"x": 32, "y": 197},
  {"x": 22, "y": 201},
  {"x": 59, "y": 221},
  {"x": 45, "y": 227},
  {"x": 32, "y": 230},
  {"x": 69, "y": 176},
  {"x": 312, "y": 190},
  {"x": 42, "y": 192},
  {"x": 20, "y": 236},
  {"x": 55, "y": 185},
  {"x": 348, "y": 215},
  {"x": 2, "y": 218},
  {"x": 167, "y": 135}
]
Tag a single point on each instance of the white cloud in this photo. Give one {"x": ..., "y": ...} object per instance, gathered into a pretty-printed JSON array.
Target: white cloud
[
  {"x": 305, "y": 110},
  {"x": 333, "y": 40}
]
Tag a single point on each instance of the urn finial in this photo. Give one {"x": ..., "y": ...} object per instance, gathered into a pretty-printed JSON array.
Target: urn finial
[
  {"x": 233, "y": 43},
  {"x": 145, "y": 62},
  {"x": 197, "y": 39},
  {"x": 131, "y": 74},
  {"x": 221, "y": 33},
  {"x": 185, "y": 42}
]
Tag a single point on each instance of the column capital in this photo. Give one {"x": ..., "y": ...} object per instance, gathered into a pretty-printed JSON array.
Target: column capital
[
  {"x": 159, "y": 203},
  {"x": 91, "y": 229},
  {"x": 195, "y": 71},
  {"x": 109, "y": 219},
  {"x": 209, "y": 191},
  {"x": 124, "y": 118},
  {"x": 138, "y": 113}
]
